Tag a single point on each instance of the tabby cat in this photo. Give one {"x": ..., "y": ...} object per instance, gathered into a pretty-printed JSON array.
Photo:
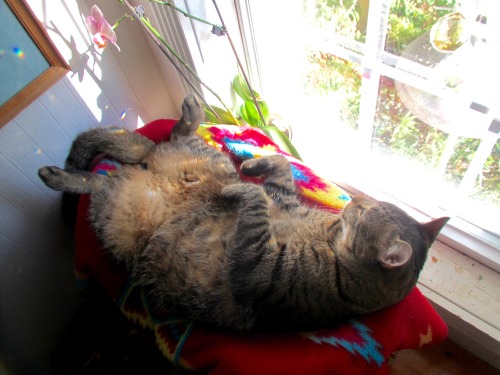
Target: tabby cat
[{"x": 235, "y": 255}]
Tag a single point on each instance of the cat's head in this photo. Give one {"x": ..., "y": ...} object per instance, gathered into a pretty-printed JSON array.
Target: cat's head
[{"x": 382, "y": 236}]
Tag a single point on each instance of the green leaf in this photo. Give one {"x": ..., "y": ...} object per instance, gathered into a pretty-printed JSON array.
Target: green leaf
[
  {"x": 245, "y": 116},
  {"x": 250, "y": 114},
  {"x": 281, "y": 140},
  {"x": 241, "y": 88},
  {"x": 225, "y": 116},
  {"x": 265, "y": 110}
]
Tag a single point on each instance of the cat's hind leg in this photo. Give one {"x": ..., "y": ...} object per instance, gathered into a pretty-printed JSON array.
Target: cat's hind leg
[
  {"x": 192, "y": 115},
  {"x": 77, "y": 183},
  {"x": 278, "y": 179},
  {"x": 184, "y": 132}
]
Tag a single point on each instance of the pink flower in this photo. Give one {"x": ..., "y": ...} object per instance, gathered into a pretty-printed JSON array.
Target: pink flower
[{"x": 101, "y": 30}]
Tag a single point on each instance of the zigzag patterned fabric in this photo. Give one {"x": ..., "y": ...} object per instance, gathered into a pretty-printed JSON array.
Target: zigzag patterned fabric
[
  {"x": 245, "y": 143},
  {"x": 359, "y": 346}
]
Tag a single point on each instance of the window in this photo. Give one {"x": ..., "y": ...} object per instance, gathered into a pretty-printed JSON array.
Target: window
[
  {"x": 393, "y": 99},
  {"x": 396, "y": 98}
]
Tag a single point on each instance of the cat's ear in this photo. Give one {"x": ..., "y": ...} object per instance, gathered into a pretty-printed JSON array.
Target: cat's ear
[
  {"x": 397, "y": 255},
  {"x": 433, "y": 227}
]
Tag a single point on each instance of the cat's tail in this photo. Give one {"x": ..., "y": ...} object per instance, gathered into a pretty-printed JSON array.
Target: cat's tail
[{"x": 120, "y": 144}]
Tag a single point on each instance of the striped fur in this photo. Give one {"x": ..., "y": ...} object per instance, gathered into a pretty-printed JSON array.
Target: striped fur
[{"x": 210, "y": 248}]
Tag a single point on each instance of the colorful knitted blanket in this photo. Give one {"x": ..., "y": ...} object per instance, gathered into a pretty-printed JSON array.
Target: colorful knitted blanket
[{"x": 359, "y": 346}]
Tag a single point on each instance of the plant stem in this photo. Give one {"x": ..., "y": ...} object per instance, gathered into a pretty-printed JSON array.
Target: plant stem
[
  {"x": 154, "y": 33},
  {"x": 119, "y": 20},
  {"x": 239, "y": 62},
  {"x": 189, "y": 15},
  {"x": 186, "y": 65},
  {"x": 179, "y": 70}
]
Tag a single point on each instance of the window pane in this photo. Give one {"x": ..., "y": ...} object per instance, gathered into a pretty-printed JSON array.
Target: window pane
[
  {"x": 456, "y": 167},
  {"x": 409, "y": 20},
  {"x": 338, "y": 18},
  {"x": 329, "y": 75},
  {"x": 398, "y": 131}
]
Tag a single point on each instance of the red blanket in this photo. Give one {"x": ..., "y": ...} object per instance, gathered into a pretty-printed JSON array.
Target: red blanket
[{"x": 360, "y": 346}]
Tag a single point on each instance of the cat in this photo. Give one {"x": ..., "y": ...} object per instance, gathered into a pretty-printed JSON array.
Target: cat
[{"x": 236, "y": 255}]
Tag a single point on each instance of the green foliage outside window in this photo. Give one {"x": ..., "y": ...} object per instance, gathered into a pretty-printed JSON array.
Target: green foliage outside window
[
  {"x": 396, "y": 128},
  {"x": 408, "y": 19}
]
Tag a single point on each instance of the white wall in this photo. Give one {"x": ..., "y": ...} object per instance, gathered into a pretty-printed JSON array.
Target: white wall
[{"x": 37, "y": 288}]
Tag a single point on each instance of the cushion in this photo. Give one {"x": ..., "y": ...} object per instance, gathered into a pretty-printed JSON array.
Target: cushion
[{"x": 358, "y": 346}]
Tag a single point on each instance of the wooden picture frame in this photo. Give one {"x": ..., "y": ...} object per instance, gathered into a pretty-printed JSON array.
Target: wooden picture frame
[{"x": 56, "y": 67}]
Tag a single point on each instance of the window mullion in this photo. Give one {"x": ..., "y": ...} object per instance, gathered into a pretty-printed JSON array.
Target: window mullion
[
  {"x": 378, "y": 17},
  {"x": 367, "y": 107}
]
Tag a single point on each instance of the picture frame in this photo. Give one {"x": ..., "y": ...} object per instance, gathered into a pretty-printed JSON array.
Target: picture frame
[{"x": 28, "y": 74}]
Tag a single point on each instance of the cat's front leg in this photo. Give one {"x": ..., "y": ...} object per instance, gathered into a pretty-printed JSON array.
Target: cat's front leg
[
  {"x": 252, "y": 256},
  {"x": 278, "y": 179}
]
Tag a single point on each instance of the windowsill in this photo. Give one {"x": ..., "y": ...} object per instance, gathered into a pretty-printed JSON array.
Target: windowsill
[{"x": 466, "y": 295}]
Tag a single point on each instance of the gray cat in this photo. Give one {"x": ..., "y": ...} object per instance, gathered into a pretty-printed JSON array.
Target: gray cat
[{"x": 235, "y": 255}]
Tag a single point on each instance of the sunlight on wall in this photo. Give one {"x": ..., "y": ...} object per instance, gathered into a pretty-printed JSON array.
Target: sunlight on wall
[
  {"x": 113, "y": 89},
  {"x": 64, "y": 23}
]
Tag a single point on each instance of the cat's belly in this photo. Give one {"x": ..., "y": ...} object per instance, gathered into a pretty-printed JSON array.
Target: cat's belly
[{"x": 146, "y": 204}]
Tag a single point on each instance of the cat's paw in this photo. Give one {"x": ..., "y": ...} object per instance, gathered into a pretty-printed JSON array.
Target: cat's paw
[
  {"x": 192, "y": 115},
  {"x": 264, "y": 165},
  {"x": 192, "y": 111},
  {"x": 52, "y": 176}
]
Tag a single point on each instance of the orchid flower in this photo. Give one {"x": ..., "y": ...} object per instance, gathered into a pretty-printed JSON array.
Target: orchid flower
[{"x": 101, "y": 30}]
